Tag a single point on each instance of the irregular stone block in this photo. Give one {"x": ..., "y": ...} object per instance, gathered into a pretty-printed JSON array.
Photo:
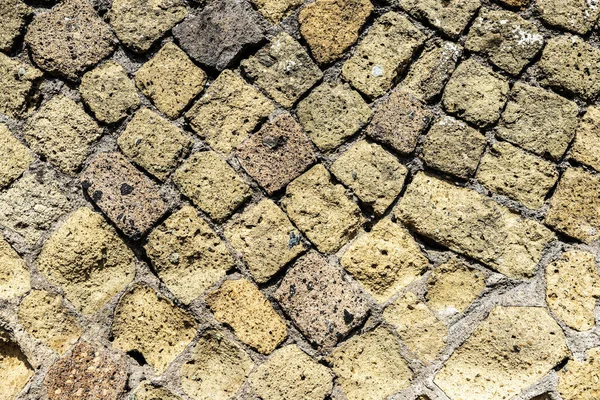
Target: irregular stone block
[
  {"x": 580, "y": 380},
  {"x": 19, "y": 82},
  {"x": 577, "y": 16},
  {"x": 15, "y": 370},
  {"x": 14, "y": 275},
  {"x": 586, "y": 148},
  {"x": 276, "y": 10},
  {"x": 146, "y": 391},
  {"x": 451, "y": 16},
  {"x": 16, "y": 157},
  {"x": 13, "y": 14}
]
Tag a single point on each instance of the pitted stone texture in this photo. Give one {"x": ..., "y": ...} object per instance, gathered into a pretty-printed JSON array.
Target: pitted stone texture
[
  {"x": 130, "y": 199},
  {"x": 575, "y": 205},
  {"x": 69, "y": 39},
  {"x": 509, "y": 41},
  {"x": 332, "y": 113},
  {"x": 277, "y": 154},
  {"x": 453, "y": 147},
  {"x": 577, "y": 16},
  {"x": 154, "y": 143},
  {"x": 45, "y": 317},
  {"x": 229, "y": 111},
  {"x": 88, "y": 372},
  {"x": 322, "y": 210},
  {"x": 265, "y": 238},
  {"x": 217, "y": 368},
  {"x": 586, "y": 148},
  {"x": 470, "y": 223},
  {"x": 369, "y": 366},
  {"x": 321, "y": 301},
  {"x": 88, "y": 260},
  {"x": 15, "y": 371},
  {"x": 146, "y": 391},
  {"x": 539, "y": 121},
  {"x": 218, "y": 35},
  {"x": 385, "y": 260},
  {"x": 383, "y": 54},
  {"x": 14, "y": 275},
  {"x": 171, "y": 80},
  {"x": 276, "y": 10},
  {"x": 13, "y": 14},
  {"x": 451, "y": 16},
  {"x": 290, "y": 374},
  {"x": 211, "y": 184},
  {"x": 580, "y": 380},
  {"x": 15, "y": 157},
  {"x": 515, "y": 3},
  {"x": 330, "y": 27},
  {"x": 109, "y": 93},
  {"x": 63, "y": 133},
  {"x": 476, "y": 93},
  {"x": 508, "y": 352},
  {"x": 150, "y": 324},
  {"x": 283, "y": 69},
  {"x": 373, "y": 174},
  {"x": 508, "y": 170},
  {"x": 572, "y": 288},
  {"x": 18, "y": 82},
  {"x": 139, "y": 23}
]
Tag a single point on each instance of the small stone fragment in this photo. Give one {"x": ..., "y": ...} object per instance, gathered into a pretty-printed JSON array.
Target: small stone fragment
[
  {"x": 19, "y": 82},
  {"x": 515, "y": 3},
  {"x": 15, "y": 371},
  {"x": 13, "y": 14},
  {"x": 14, "y": 155},
  {"x": 14, "y": 275},
  {"x": 581, "y": 380},
  {"x": 146, "y": 391},
  {"x": 577, "y": 16},
  {"x": 276, "y": 10},
  {"x": 586, "y": 148},
  {"x": 449, "y": 16}
]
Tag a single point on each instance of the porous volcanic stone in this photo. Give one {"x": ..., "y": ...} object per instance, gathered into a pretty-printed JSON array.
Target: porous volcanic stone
[
  {"x": 586, "y": 148},
  {"x": 14, "y": 275},
  {"x": 449, "y": 16},
  {"x": 276, "y": 10},
  {"x": 515, "y": 3},
  {"x": 18, "y": 81},
  {"x": 14, "y": 155},
  {"x": 146, "y": 391},
  {"x": 13, "y": 14},
  {"x": 578, "y": 16},
  {"x": 580, "y": 380},
  {"x": 15, "y": 371}
]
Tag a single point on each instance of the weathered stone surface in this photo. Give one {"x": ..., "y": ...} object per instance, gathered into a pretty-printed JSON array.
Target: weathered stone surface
[
  {"x": 320, "y": 300},
  {"x": 330, "y": 27},
  {"x": 211, "y": 184},
  {"x": 139, "y": 23},
  {"x": 332, "y": 113},
  {"x": 146, "y": 391},
  {"x": 154, "y": 143},
  {"x": 88, "y": 260},
  {"x": 385, "y": 260},
  {"x": 150, "y": 324},
  {"x": 451, "y": 16},
  {"x": 14, "y": 155},
  {"x": 283, "y": 69},
  {"x": 15, "y": 371},
  {"x": 575, "y": 205},
  {"x": 509, "y": 351},
  {"x": 265, "y": 238},
  {"x": 578, "y": 16},
  {"x": 369, "y": 366},
  {"x": 476, "y": 93},
  {"x": 239, "y": 304},
  {"x": 130, "y": 199},
  {"x": 383, "y": 54},
  {"x": 63, "y": 133},
  {"x": 276, "y": 10},
  {"x": 171, "y": 80},
  {"x": 453, "y": 147},
  {"x": 220, "y": 33},
  {"x": 69, "y": 39},
  {"x": 539, "y": 121},
  {"x": 14, "y": 275},
  {"x": 277, "y": 154},
  {"x": 581, "y": 380},
  {"x": 586, "y": 148},
  {"x": 290, "y": 374},
  {"x": 109, "y": 93},
  {"x": 18, "y": 81},
  {"x": 515, "y": 3},
  {"x": 217, "y": 368},
  {"x": 321, "y": 210},
  {"x": 508, "y": 40},
  {"x": 470, "y": 223},
  {"x": 13, "y": 14},
  {"x": 229, "y": 111}
]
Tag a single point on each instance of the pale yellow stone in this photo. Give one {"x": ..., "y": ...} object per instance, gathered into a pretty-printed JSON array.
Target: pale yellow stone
[
  {"x": 276, "y": 10},
  {"x": 18, "y": 81},
  {"x": 148, "y": 392},
  {"x": 14, "y": 275},
  {"x": 14, "y": 155},
  {"x": 586, "y": 148},
  {"x": 580, "y": 380},
  {"x": 15, "y": 371}
]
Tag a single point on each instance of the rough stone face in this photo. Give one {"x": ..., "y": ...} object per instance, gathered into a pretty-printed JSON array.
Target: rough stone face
[
  {"x": 475, "y": 93},
  {"x": 277, "y": 154},
  {"x": 18, "y": 82},
  {"x": 14, "y": 275},
  {"x": 130, "y": 199},
  {"x": 575, "y": 206},
  {"x": 14, "y": 155},
  {"x": 321, "y": 301},
  {"x": 509, "y": 351},
  {"x": 451, "y": 17},
  {"x": 63, "y": 133},
  {"x": 369, "y": 366},
  {"x": 69, "y": 39},
  {"x": 109, "y": 93},
  {"x": 586, "y": 148},
  {"x": 573, "y": 285},
  {"x": 578, "y": 16},
  {"x": 229, "y": 110},
  {"x": 580, "y": 380},
  {"x": 384, "y": 260},
  {"x": 373, "y": 174},
  {"x": 217, "y": 368},
  {"x": 15, "y": 371},
  {"x": 88, "y": 260},
  {"x": 276, "y": 10},
  {"x": 451, "y": 146},
  {"x": 321, "y": 210},
  {"x": 332, "y": 113},
  {"x": 171, "y": 80},
  {"x": 383, "y": 54},
  {"x": 470, "y": 223},
  {"x": 13, "y": 14},
  {"x": 330, "y": 27},
  {"x": 539, "y": 121},
  {"x": 220, "y": 33},
  {"x": 151, "y": 325},
  {"x": 265, "y": 238},
  {"x": 283, "y": 69},
  {"x": 146, "y": 391},
  {"x": 211, "y": 184},
  {"x": 508, "y": 40},
  {"x": 290, "y": 374},
  {"x": 154, "y": 144}
]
